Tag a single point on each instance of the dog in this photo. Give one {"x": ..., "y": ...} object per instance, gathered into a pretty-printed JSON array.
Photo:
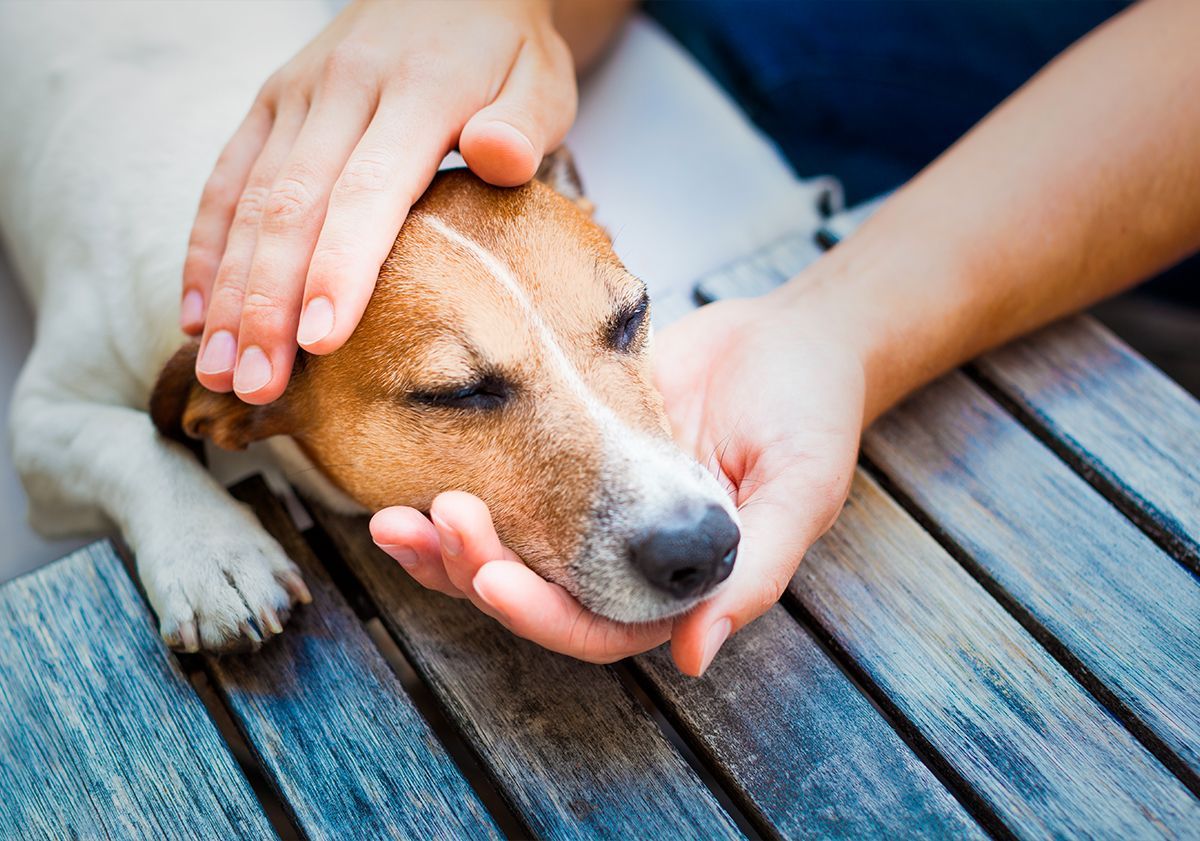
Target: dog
[{"x": 506, "y": 352}]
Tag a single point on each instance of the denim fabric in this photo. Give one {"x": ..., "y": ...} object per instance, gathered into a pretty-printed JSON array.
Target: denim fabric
[{"x": 873, "y": 90}]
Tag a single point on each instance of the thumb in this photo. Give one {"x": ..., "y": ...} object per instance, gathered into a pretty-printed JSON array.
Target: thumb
[{"x": 504, "y": 142}]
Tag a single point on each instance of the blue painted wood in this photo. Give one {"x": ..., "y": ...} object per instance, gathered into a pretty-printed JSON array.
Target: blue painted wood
[
  {"x": 1115, "y": 418},
  {"x": 1055, "y": 550},
  {"x": 802, "y": 750},
  {"x": 101, "y": 735},
  {"x": 573, "y": 753},
  {"x": 1008, "y": 720},
  {"x": 332, "y": 726}
]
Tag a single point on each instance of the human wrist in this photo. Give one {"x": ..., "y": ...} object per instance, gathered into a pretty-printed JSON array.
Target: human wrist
[{"x": 890, "y": 310}]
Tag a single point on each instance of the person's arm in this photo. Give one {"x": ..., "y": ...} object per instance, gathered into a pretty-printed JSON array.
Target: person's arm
[
  {"x": 1083, "y": 183},
  {"x": 590, "y": 26},
  {"x": 306, "y": 199}
]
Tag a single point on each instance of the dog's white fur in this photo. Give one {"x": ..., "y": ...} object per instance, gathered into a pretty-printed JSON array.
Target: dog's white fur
[{"x": 98, "y": 193}]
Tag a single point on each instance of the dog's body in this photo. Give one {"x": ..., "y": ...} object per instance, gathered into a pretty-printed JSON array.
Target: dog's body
[{"x": 567, "y": 443}]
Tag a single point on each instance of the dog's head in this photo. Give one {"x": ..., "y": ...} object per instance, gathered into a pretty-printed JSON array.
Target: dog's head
[{"x": 505, "y": 352}]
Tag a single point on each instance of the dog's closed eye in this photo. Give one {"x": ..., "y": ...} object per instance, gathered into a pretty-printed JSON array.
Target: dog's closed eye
[
  {"x": 626, "y": 325},
  {"x": 485, "y": 393}
]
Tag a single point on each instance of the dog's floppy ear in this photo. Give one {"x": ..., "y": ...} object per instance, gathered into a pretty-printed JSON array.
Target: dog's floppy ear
[
  {"x": 183, "y": 409},
  {"x": 559, "y": 174}
]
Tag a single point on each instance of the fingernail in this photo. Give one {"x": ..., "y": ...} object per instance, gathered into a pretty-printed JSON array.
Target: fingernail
[
  {"x": 191, "y": 311},
  {"x": 402, "y": 555},
  {"x": 219, "y": 354},
  {"x": 717, "y": 635},
  {"x": 253, "y": 371},
  {"x": 451, "y": 543},
  {"x": 513, "y": 133},
  {"x": 316, "y": 322}
]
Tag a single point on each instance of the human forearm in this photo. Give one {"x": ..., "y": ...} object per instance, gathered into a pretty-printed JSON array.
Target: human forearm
[
  {"x": 1073, "y": 189},
  {"x": 588, "y": 26}
]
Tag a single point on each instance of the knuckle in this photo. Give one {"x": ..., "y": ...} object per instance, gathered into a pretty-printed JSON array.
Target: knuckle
[
  {"x": 327, "y": 266},
  {"x": 281, "y": 80},
  {"x": 367, "y": 172},
  {"x": 772, "y": 588},
  {"x": 290, "y": 202},
  {"x": 250, "y": 205},
  {"x": 231, "y": 280},
  {"x": 262, "y": 313},
  {"x": 416, "y": 66},
  {"x": 349, "y": 63}
]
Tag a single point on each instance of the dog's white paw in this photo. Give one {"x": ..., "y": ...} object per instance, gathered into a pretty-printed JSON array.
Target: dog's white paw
[{"x": 225, "y": 588}]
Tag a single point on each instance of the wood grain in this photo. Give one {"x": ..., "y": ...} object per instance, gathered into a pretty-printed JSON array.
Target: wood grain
[
  {"x": 1032, "y": 744},
  {"x": 572, "y": 751},
  {"x": 332, "y": 726},
  {"x": 101, "y": 735},
  {"x": 806, "y": 753},
  {"x": 1115, "y": 418},
  {"x": 1054, "y": 550}
]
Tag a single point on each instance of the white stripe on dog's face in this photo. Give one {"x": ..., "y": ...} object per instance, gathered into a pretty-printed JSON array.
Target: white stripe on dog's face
[
  {"x": 600, "y": 413},
  {"x": 643, "y": 477}
]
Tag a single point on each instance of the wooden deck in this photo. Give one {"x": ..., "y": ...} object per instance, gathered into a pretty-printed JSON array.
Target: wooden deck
[{"x": 1000, "y": 637}]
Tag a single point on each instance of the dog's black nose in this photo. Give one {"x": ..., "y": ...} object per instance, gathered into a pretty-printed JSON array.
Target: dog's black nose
[{"x": 689, "y": 552}]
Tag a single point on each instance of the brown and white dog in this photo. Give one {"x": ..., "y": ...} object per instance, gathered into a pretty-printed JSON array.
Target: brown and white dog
[{"x": 505, "y": 352}]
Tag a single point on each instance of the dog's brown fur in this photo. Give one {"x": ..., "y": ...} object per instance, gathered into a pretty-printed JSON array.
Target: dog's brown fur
[{"x": 436, "y": 320}]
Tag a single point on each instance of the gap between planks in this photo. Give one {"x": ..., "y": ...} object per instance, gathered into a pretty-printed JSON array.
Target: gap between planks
[
  {"x": 709, "y": 772},
  {"x": 192, "y": 665},
  {"x": 1045, "y": 638},
  {"x": 458, "y": 745},
  {"x": 1141, "y": 512},
  {"x": 461, "y": 752},
  {"x": 909, "y": 733}
]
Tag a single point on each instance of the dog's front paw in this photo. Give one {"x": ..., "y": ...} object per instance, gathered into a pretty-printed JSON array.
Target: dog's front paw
[{"x": 221, "y": 589}]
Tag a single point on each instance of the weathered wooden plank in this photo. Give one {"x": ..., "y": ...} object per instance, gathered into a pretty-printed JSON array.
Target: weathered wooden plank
[
  {"x": 332, "y": 726},
  {"x": 1115, "y": 418},
  {"x": 572, "y": 751},
  {"x": 1032, "y": 744},
  {"x": 101, "y": 735},
  {"x": 805, "y": 753},
  {"x": 1055, "y": 550}
]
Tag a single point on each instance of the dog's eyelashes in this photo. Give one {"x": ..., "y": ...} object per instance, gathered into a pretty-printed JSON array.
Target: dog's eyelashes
[
  {"x": 488, "y": 392},
  {"x": 626, "y": 327}
]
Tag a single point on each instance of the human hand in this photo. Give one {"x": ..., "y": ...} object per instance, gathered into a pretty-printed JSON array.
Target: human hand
[
  {"x": 770, "y": 397},
  {"x": 306, "y": 199},
  {"x": 770, "y": 400}
]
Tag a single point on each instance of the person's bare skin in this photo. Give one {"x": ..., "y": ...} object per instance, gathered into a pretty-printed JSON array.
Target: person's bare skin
[
  {"x": 1084, "y": 182},
  {"x": 309, "y": 194}
]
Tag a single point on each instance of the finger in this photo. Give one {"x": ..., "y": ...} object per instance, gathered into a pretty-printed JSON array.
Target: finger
[
  {"x": 504, "y": 143},
  {"x": 546, "y": 614},
  {"x": 215, "y": 214},
  {"x": 412, "y": 541},
  {"x": 218, "y": 347},
  {"x": 287, "y": 233},
  {"x": 392, "y": 165},
  {"x": 467, "y": 536},
  {"x": 775, "y": 535}
]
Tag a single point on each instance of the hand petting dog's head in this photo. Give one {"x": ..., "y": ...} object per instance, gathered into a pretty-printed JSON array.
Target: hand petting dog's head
[{"x": 505, "y": 352}]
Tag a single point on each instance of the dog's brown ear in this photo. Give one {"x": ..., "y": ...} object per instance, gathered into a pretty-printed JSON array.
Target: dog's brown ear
[
  {"x": 559, "y": 174},
  {"x": 183, "y": 409}
]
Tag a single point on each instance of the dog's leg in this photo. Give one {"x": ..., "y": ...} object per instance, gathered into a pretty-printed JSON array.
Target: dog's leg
[{"x": 215, "y": 578}]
